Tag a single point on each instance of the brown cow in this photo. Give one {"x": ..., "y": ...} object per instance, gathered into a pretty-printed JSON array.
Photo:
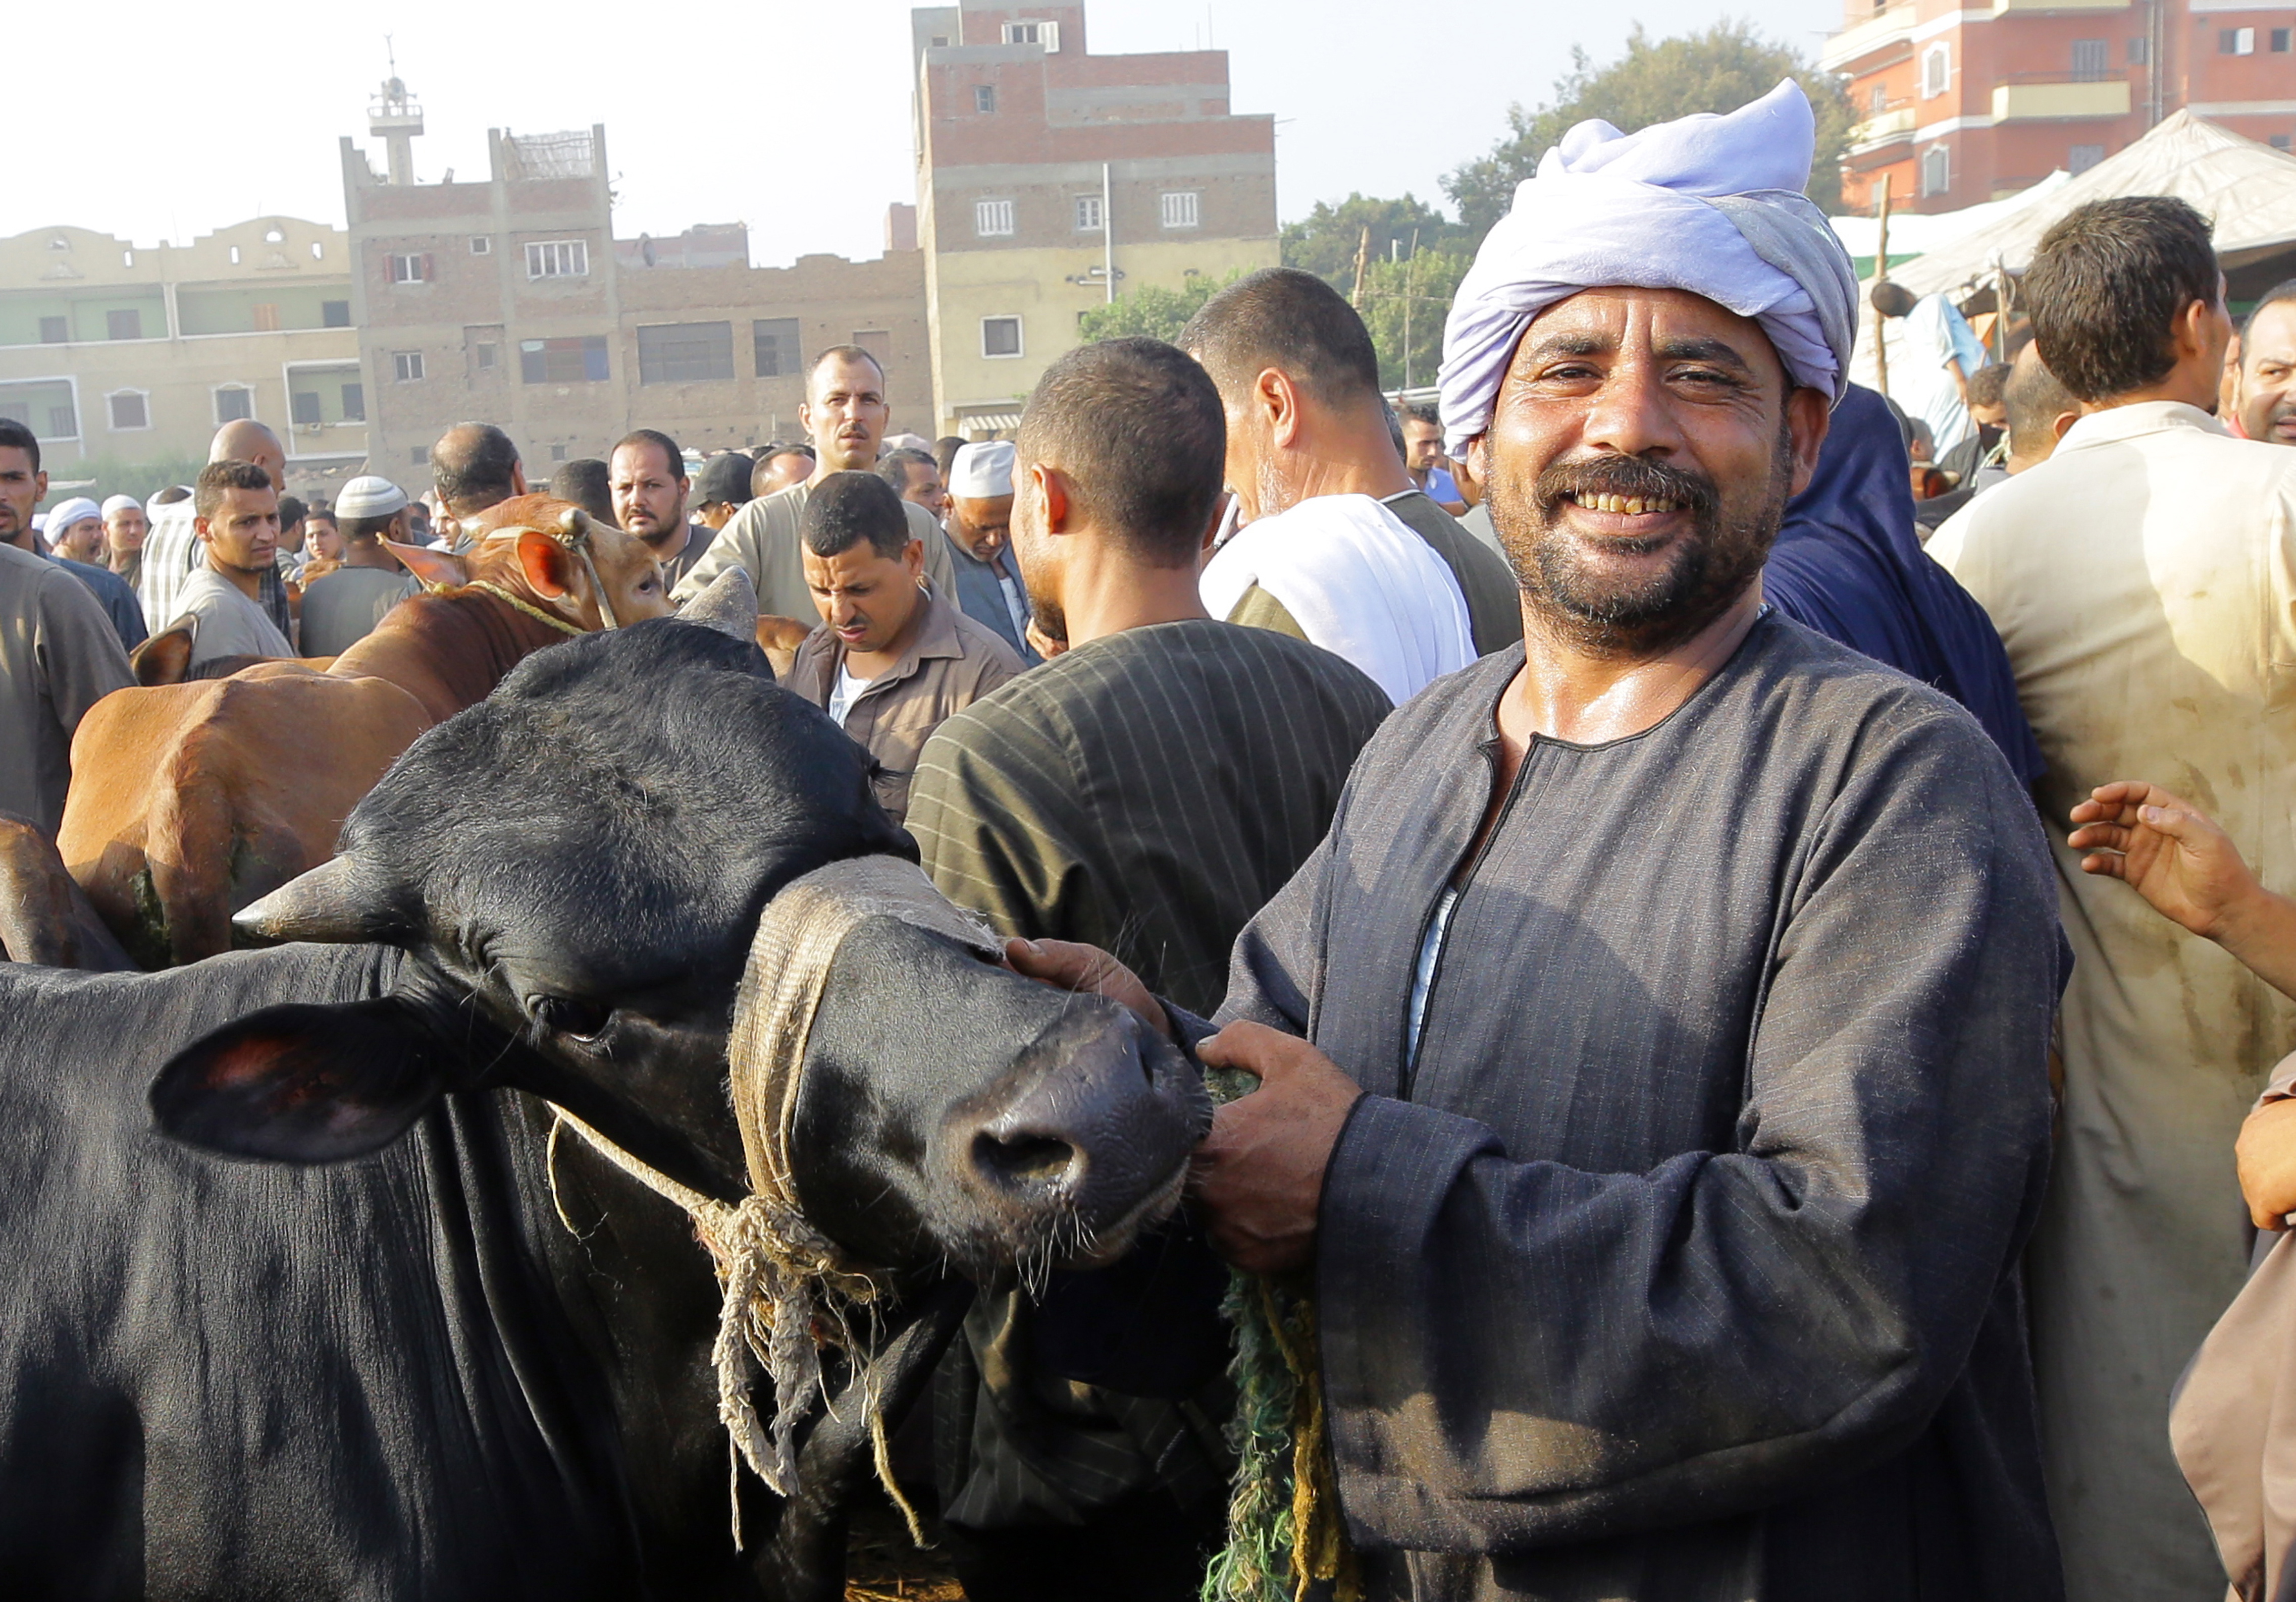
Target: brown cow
[{"x": 188, "y": 801}]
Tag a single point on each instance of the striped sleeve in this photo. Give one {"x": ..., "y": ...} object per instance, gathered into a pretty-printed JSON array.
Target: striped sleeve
[{"x": 991, "y": 809}]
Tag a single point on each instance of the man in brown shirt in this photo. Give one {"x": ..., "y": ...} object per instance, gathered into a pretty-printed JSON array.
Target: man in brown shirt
[{"x": 888, "y": 661}]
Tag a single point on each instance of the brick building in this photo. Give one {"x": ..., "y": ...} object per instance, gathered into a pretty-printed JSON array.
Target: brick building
[
  {"x": 1964, "y": 105},
  {"x": 509, "y": 301},
  {"x": 1043, "y": 169},
  {"x": 135, "y": 354}
]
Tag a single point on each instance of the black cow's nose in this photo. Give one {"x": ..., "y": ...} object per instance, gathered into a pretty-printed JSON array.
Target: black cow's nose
[
  {"x": 1030, "y": 1164},
  {"x": 1071, "y": 1095}
]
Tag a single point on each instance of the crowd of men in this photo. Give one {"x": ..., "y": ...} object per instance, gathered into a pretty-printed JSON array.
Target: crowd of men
[{"x": 1743, "y": 1140}]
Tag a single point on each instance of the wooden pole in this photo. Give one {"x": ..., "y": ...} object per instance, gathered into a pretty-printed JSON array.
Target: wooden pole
[
  {"x": 1410, "y": 266},
  {"x": 1363, "y": 249},
  {"x": 1881, "y": 272}
]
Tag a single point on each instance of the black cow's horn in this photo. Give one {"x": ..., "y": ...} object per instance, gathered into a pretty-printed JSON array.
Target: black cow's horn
[
  {"x": 325, "y": 904},
  {"x": 729, "y": 605},
  {"x": 576, "y": 525}
]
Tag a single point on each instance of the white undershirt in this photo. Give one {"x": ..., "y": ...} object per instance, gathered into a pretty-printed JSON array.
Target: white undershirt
[
  {"x": 842, "y": 694},
  {"x": 1423, "y": 973}
]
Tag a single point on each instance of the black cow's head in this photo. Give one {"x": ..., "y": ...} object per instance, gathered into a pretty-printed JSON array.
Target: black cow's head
[{"x": 577, "y": 864}]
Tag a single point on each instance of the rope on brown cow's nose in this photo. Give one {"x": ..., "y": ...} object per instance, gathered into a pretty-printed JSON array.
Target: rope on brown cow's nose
[{"x": 789, "y": 1289}]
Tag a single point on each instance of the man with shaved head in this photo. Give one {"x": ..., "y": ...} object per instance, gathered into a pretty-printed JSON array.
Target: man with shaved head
[
  {"x": 173, "y": 551},
  {"x": 845, "y": 412},
  {"x": 474, "y": 466}
]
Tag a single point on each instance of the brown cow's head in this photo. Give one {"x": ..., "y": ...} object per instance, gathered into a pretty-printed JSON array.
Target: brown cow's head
[{"x": 551, "y": 555}]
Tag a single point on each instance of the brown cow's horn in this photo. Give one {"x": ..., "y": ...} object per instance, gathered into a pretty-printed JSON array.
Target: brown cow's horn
[
  {"x": 324, "y": 905},
  {"x": 729, "y": 605}
]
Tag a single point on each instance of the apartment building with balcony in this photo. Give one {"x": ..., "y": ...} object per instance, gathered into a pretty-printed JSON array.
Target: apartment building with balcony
[
  {"x": 1049, "y": 178},
  {"x": 110, "y": 350},
  {"x": 1965, "y": 104},
  {"x": 509, "y": 301}
]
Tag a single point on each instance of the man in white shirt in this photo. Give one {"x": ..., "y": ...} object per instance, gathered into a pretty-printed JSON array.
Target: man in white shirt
[
  {"x": 1937, "y": 354},
  {"x": 2144, "y": 580},
  {"x": 235, "y": 516}
]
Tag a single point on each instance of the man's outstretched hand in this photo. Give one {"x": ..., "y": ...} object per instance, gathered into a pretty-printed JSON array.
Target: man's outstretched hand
[
  {"x": 1066, "y": 965},
  {"x": 1258, "y": 1177},
  {"x": 2168, "y": 851}
]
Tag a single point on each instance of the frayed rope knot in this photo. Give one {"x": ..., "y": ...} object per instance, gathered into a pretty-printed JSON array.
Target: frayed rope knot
[{"x": 789, "y": 1290}]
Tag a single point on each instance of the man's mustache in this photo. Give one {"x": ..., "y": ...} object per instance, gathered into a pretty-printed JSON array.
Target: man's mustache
[{"x": 1632, "y": 476}]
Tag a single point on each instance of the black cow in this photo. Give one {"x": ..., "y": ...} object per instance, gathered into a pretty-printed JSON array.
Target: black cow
[{"x": 397, "y": 1374}]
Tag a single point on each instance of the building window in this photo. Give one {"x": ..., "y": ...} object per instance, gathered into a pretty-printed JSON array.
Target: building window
[
  {"x": 579, "y": 360},
  {"x": 2278, "y": 141},
  {"x": 1937, "y": 170},
  {"x": 1936, "y": 72},
  {"x": 2139, "y": 51},
  {"x": 233, "y": 402},
  {"x": 334, "y": 313},
  {"x": 2092, "y": 59},
  {"x": 686, "y": 353},
  {"x": 318, "y": 252},
  {"x": 1179, "y": 209},
  {"x": 558, "y": 452},
  {"x": 992, "y": 220},
  {"x": 420, "y": 456},
  {"x": 2281, "y": 40},
  {"x": 123, "y": 325},
  {"x": 266, "y": 315},
  {"x": 774, "y": 343},
  {"x": 878, "y": 342},
  {"x": 354, "y": 403},
  {"x": 234, "y": 256},
  {"x": 131, "y": 410},
  {"x": 1000, "y": 336},
  {"x": 303, "y": 409},
  {"x": 984, "y": 98},
  {"x": 406, "y": 366},
  {"x": 410, "y": 268},
  {"x": 2235, "y": 41},
  {"x": 56, "y": 330},
  {"x": 1878, "y": 102},
  {"x": 43, "y": 406},
  {"x": 558, "y": 258},
  {"x": 2082, "y": 157},
  {"x": 482, "y": 244},
  {"x": 482, "y": 356},
  {"x": 1039, "y": 32},
  {"x": 1087, "y": 214}
]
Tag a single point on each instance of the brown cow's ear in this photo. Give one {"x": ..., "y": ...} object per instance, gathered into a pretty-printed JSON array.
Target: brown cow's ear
[
  {"x": 548, "y": 565},
  {"x": 431, "y": 565},
  {"x": 302, "y": 1083},
  {"x": 164, "y": 658}
]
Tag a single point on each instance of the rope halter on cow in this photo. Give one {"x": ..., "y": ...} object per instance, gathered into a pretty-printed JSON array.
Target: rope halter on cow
[
  {"x": 788, "y": 1287},
  {"x": 577, "y": 530}
]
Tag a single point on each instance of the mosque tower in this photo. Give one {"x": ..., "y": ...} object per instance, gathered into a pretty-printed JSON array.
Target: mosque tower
[{"x": 395, "y": 116}]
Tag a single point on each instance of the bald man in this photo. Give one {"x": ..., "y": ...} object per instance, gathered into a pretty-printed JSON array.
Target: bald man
[
  {"x": 172, "y": 552},
  {"x": 474, "y": 466}
]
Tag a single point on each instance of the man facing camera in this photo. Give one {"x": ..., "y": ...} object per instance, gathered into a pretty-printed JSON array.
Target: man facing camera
[{"x": 890, "y": 661}]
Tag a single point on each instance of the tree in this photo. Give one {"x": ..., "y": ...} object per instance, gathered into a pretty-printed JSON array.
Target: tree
[
  {"x": 1719, "y": 70},
  {"x": 1152, "y": 310},
  {"x": 1404, "y": 304},
  {"x": 1324, "y": 242}
]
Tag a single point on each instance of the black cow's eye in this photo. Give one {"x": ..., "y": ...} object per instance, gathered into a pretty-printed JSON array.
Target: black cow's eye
[{"x": 566, "y": 1015}]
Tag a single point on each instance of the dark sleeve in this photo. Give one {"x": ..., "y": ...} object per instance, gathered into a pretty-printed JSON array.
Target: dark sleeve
[
  {"x": 993, "y": 811},
  {"x": 79, "y": 651},
  {"x": 1517, "y": 1353}
]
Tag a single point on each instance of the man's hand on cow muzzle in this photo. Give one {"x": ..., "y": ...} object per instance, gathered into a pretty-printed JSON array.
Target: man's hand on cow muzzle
[
  {"x": 1066, "y": 965},
  {"x": 1258, "y": 1180}
]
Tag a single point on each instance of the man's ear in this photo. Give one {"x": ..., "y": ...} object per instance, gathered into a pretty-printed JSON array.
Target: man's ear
[
  {"x": 1052, "y": 489},
  {"x": 1275, "y": 397},
  {"x": 302, "y": 1083},
  {"x": 912, "y": 558},
  {"x": 547, "y": 564},
  {"x": 430, "y": 564},
  {"x": 1810, "y": 413}
]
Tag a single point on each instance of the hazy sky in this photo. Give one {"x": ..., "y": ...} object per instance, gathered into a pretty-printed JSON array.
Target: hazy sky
[{"x": 791, "y": 118}]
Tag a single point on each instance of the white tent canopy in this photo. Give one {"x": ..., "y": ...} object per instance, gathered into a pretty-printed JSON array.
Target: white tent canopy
[{"x": 2247, "y": 191}]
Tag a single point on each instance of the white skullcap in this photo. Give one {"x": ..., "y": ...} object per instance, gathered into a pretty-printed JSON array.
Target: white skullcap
[
  {"x": 64, "y": 514},
  {"x": 117, "y": 503},
  {"x": 369, "y": 497},
  {"x": 982, "y": 471},
  {"x": 1709, "y": 204},
  {"x": 908, "y": 442}
]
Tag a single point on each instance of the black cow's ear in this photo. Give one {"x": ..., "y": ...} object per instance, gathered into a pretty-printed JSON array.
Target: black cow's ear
[{"x": 302, "y": 1083}]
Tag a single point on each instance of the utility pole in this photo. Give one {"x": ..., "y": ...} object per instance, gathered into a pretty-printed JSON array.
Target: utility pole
[
  {"x": 1410, "y": 270},
  {"x": 1881, "y": 272},
  {"x": 1363, "y": 249}
]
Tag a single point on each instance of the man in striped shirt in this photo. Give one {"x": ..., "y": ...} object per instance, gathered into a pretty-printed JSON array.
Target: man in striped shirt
[{"x": 1145, "y": 792}]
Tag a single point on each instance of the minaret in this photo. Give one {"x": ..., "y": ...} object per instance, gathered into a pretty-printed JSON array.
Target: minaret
[{"x": 395, "y": 116}]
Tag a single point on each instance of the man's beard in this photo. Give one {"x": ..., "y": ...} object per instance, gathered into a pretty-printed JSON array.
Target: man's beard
[{"x": 1646, "y": 617}]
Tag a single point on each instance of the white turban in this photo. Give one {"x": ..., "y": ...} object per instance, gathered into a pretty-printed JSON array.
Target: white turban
[
  {"x": 119, "y": 503},
  {"x": 64, "y": 514},
  {"x": 1709, "y": 204},
  {"x": 982, "y": 471}
]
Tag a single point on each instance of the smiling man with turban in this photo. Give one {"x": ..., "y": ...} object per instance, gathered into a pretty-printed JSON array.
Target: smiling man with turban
[{"x": 1654, "y": 1055}]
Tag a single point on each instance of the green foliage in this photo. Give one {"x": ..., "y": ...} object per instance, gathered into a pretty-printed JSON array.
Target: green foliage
[
  {"x": 1719, "y": 70},
  {"x": 1404, "y": 304},
  {"x": 1151, "y": 311},
  {"x": 1324, "y": 242},
  {"x": 113, "y": 477}
]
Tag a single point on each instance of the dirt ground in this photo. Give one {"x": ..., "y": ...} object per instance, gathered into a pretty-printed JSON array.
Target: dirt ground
[{"x": 882, "y": 1564}]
